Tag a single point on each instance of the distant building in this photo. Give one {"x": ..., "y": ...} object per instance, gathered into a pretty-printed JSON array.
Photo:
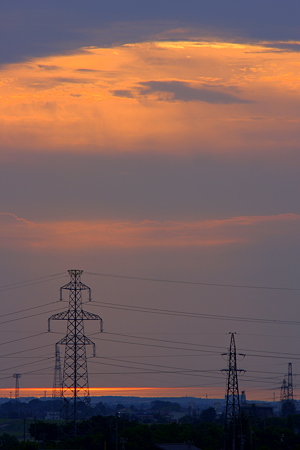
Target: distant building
[
  {"x": 258, "y": 410},
  {"x": 145, "y": 417},
  {"x": 52, "y": 415},
  {"x": 261, "y": 411},
  {"x": 176, "y": 416}
]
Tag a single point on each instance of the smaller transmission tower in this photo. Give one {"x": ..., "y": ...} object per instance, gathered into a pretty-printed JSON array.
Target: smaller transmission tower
[
  {"x": 17, "y": 376},
  {"x": 233, "y": 438},
  {"x": 290, "y": 390},
  {"x": 287, "y": 394},
  {"x": 283, "y": 390},
  {"x": 57, "y": 382}
]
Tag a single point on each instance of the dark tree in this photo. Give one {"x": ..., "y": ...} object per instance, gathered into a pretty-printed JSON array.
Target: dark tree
[
  {"x": 208, "y": 415},
  {"x": 8, "y": 442},
  {"x": 43, "y": 431}
]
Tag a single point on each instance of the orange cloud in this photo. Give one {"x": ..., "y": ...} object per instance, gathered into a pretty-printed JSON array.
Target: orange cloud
[
  {"x": 16, "y": 233},
  {"x": 182, "y": 97}
]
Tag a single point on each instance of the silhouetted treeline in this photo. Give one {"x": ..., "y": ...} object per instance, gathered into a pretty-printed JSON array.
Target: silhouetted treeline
[{"x": 205, "y": 432}]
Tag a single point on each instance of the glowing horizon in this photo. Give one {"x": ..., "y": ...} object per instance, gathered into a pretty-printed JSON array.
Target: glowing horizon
[{"x": 149, "y": 392}]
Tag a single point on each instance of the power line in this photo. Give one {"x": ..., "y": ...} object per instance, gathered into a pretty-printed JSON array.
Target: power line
[
  {"x": 161, "y": 366},
  {"x": 26, "y": 283},
  {"x": 220, "y": 349},
  {"x": 276, "y": 374},
  {"x": 28, "y": 350},
  {"x": 28, "y": 309},
  {"x": 23, "y": 338},
  {"x": 26, "y": 364},
  {"x": 250, "y": 353},
  {"x": 180, "y": 370},
  {"x": 196, "y": 283},
  {"x": 143, "y": 344},
  {"x": 28, "y": 317},
  {"x": 30, "y": 372},
  {"x": 193, "y": 314}
]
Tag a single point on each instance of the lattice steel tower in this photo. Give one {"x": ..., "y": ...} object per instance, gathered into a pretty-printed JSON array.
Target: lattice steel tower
[
  {"x": 17, "y": 376},
  {"x": 57, "y": 381},
  {"x": 233, "y": 430},
  {"x": 75, "y": 386},
  {"x": 290, "y": 391},
  {"x": 288, "y": 406},
  {"x": 283, "y": 390}
]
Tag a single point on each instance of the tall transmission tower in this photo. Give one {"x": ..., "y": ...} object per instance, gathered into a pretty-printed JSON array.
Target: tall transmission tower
[
  {"x": 57, "y": 381},
  {"x": 17, "y": 376},
  {"x": 233, "y": 438},
  {"x": 287, "y": 394},
  {"x": 75, "y": 387}
]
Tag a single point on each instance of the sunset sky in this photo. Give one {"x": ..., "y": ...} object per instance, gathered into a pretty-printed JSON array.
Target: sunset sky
[{"x": 155, "y": 146}]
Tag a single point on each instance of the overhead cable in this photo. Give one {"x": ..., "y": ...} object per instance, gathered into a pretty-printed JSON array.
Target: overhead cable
[{"x": 196, "y": 283}]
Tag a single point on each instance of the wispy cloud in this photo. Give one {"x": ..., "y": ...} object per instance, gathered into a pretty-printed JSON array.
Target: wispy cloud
[
  {"x": 9, "y": 216},
  {"x": 242, "y": 230},
  {"x": 126, "y": 93}
]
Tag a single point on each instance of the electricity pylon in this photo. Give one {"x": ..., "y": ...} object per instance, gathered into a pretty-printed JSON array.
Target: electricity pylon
[
  {"x": 287, "y": 394},
  {"x": 233, "y": 438},
  {"x": 283, "y": 390},
  {"x": 17, "y": 376},
  {"x": 75, "y": 386},
  {"x": 290, "y": 390},
  {"x": 57, "y": 381}
]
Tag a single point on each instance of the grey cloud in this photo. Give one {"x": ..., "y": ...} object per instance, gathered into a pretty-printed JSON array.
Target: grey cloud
[
  {"x": 27, "y": 27},
  {"x": 48, "y": 67},
  {"x": 183, "y": 92},
  {"x": 108, "y": 73},
  {"x": 73, "y": 80},
  {"x": 126, "y": 93},
  {"x": 282, "y": 47},
  {"x": 88, "y": 70},
  {"x": 231, "y": 88},
  {"x": 49, "y": 83}
]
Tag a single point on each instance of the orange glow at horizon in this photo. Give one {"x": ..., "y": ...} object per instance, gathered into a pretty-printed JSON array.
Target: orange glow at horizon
[
  {"x": 102, "y": 99},
  {"x": 147, "y": 392}
]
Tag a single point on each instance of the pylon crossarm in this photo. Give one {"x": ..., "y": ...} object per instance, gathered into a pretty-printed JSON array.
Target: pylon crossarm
[
  {"x": 63, "y": 341},
  {"x": 90, "y": 316},
  {"x": 87, "y": 341},
  {"x": 59, "y": 316}
]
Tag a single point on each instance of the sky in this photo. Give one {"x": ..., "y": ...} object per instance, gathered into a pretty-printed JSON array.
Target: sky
[{"x": 155, "y": 146}]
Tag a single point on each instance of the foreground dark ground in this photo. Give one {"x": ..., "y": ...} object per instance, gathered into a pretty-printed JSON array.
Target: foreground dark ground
[{"x": 205, "y": 432}]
